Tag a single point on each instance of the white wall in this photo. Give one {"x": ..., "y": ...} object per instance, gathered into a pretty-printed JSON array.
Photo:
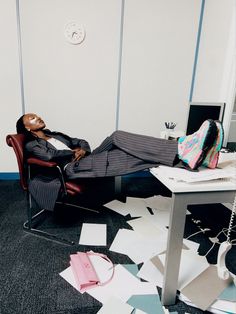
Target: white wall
[
  {"x": 158, "y": 55},
  {"x": 216, "y": 67},
  {"x": 74, "y": 88},
  {"x": 10, "y": 97},
  {"x": 232, "y": 130}
]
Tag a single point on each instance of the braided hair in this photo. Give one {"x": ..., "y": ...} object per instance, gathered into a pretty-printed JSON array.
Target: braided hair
[{"x": 21, "y": 129}]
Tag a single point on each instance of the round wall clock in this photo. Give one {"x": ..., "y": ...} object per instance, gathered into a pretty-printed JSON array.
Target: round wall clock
[{"x": 74, "y": 33}]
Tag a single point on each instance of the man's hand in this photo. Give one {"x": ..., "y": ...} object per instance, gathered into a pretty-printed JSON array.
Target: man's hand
[{"x": 78, "y": 154}]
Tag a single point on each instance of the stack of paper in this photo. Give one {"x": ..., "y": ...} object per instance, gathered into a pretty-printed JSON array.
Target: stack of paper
[{"x": 204, "y": 174}]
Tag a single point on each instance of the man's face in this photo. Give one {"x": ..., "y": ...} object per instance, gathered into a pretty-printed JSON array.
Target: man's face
[{"x": 33, "y": 122}]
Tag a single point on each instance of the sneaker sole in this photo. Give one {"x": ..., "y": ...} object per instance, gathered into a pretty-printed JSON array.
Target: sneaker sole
[
  {"x": 206, "y": 143},
  {"x": 214, "y": 157},
  {"x": 209, "y": 141}
]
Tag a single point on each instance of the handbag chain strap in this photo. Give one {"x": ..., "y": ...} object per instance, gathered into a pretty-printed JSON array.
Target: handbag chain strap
[{"x": 107, "y": 259}]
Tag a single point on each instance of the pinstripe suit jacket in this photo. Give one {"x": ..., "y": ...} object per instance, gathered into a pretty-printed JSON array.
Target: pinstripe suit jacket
[
  {"x": 45, "y": 151},
  {"x": 45, "y": 187}
]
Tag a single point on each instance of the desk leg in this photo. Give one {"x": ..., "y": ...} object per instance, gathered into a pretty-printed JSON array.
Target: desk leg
[{"x": 174, "y": 248}]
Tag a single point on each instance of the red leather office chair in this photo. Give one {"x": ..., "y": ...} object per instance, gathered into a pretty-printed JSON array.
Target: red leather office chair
[{"x": 16, "y": 141}]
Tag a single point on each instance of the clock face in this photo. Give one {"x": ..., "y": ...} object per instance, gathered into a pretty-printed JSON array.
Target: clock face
[{"x": 74, "y": 33}]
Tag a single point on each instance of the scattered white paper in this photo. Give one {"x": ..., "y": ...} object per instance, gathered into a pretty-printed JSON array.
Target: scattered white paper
[
  {"x": 191, "y": 265},
  {"x": 147, "y": 239},
  {"x": 145, "y": 226},
  {"x": 158, "y": 202},
  {"x": 134, "y": 206},
  {"x": 224, "y": 305},
  {"x": 205, "y": 288},
  {"x": 166, "y": 311},
  {"x": 161, "y": 219},
  {"x": 115, "y": 306},
  {"x": 118, "y": 207},
  {"x": 103, "y": 267},
  {"x": 137, "y": 206},
  {"x": 121, "y": 240},
  {"x": 123, "y": 285},
  {"x": 137, "y": 311},
  {"x": 137, "y": 246},
  {"x": 218, "y": 307},
  {"x": 149, "y": 272},
  {"x": 191, "y": 244},
  {"x": 144, "y": 288},
  {"x": 93, "y": 234},
  {"x": 140, "y": 252}
]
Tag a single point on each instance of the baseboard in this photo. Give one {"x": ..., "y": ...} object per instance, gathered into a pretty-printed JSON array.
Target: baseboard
[
  {"x": 16, "y": 176},
  {"x": 9, "y": 176}
]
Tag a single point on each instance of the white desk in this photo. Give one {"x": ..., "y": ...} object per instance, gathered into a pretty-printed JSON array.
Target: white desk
[{"x": 184, "y": 194}]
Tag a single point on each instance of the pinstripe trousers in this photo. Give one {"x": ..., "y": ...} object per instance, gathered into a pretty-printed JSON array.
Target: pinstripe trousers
[{"x": 124, "y": 153}]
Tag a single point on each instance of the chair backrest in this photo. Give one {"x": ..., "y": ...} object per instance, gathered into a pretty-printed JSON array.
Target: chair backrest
[{"x": 17, "y": 141}]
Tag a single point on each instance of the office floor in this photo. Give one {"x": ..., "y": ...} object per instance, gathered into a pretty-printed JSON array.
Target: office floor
[{"x": 30, "y": 266}]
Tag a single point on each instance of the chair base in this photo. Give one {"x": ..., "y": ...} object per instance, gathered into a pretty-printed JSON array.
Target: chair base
[
  {"x": 27, "y": 226},
  {"x": 77, "y": 206},
  {"x": 49, "y": 236}
]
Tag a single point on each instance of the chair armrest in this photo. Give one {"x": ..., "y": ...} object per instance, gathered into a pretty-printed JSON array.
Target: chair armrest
[
  {"x": 70, "y": 186},
  {"x": 48, "y": 164},
  {"x": 42, "y": 163}
]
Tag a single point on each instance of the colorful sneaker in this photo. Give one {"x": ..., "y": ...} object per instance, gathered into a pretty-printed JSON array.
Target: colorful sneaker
[
  {"x": 212, "y": 157},
  {"x": 192, "y": 149}
]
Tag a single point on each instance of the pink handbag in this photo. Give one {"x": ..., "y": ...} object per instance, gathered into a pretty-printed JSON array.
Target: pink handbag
[{"x": 84, "y": 272}]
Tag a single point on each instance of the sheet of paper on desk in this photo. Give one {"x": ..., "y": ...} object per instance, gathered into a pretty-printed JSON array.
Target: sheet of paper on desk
[{"x": 204, "y": 174}]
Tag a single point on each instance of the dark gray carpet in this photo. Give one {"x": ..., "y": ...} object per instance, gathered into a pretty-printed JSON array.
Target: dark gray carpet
[{"x": 30, "y": 265}]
